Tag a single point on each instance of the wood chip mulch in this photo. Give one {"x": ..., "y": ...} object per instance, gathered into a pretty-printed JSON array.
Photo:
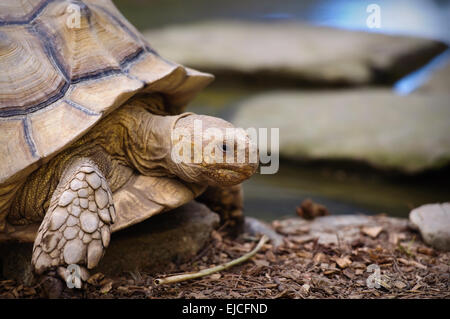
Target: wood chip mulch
[{"x": 407, "y": 269}]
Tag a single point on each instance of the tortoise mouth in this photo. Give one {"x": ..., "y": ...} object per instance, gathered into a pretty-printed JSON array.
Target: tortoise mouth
[{"x": 226, "y": 174}]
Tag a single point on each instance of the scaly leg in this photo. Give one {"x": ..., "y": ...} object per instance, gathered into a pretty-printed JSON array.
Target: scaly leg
[{"x": 77, "y": 226}]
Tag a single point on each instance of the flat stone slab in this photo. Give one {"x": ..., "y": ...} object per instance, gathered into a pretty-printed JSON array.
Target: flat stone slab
[
  {"x": 405, "y": 133},
  {"x": 174, "y": 236},
  {"x": 337, "y": 229},
  {"x": 292, "y": 51},
  {"x": 433, "y": 222},
  {"x": 438, "y": 81}
]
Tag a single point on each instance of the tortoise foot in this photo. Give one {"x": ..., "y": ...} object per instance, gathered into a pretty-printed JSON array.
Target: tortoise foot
[
  {"x": 76, "y": 229},
  {"x": 54, "y": 287}
]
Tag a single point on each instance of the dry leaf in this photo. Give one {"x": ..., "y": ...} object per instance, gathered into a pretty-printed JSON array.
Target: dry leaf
[
  {"x": 302, "y": 239},
  {"x": 95, "y": 279},
  {"x": 384, "y": 282},
  {"x": 106, "y": 287},
  {"x": 343, "y": 262},
  {"x": 215, "y": 276},
  {"x": 359, "y": 265},
  {"x": 393, "y": 238},
  {"x": 261, "y": 262},
  {"x": 348, "y": 273},
  {"x": 306, "y": 288},
  {"x": 372, "y": 231},
  {"x": 216, "y": 235},
  {"x": 426, "y": 251},
  {"x": 29, "y": 291},
  {"x": 270, "y": 256},
  {"x": 416, "y": 287},
  {"x": 400, "y": 284},
  {"x": 304, "y": 254},
  {"x": 411, "y": 263},
  {"x": 330, "y": 272},
  {"x": 319, "y": 258}
]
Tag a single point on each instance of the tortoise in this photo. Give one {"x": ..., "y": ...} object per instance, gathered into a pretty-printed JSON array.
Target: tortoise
[{"x": 87, "y": 114}]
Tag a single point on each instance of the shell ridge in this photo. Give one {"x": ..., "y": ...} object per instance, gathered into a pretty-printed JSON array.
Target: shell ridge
[
  {"x": 11, "y": 111},
  {"x": 116, "y": 20},
  {"x": 29, "y": 136},
  {"x": 128, "y": 61},
  {"x": 138, "y": 39},
  {"x": 81, "y": 108},
  {"x": 32, "y": 17},
  {"x": 45, "y": 40}
]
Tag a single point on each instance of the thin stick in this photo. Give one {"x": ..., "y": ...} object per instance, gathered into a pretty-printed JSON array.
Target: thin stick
[{"x": 209, "y": 271}]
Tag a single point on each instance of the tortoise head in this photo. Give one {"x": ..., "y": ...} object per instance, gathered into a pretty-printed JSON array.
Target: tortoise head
[{"x": 210, "y": 150}]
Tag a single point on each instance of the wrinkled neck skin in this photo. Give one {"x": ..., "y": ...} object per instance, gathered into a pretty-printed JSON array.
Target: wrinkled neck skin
[{"x": 149, "y": 147}]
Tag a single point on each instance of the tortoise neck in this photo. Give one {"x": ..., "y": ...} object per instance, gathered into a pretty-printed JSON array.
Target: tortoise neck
[{"x": 148, "y": 145}]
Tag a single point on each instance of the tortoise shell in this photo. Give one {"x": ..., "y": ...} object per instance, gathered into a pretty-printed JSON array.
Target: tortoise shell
[{"x": 64, "y": 66}]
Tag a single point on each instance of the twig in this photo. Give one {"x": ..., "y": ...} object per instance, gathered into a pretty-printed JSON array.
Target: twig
[
  {"x": 237, "y": 281},
  {"x": 209, "y": 271}
]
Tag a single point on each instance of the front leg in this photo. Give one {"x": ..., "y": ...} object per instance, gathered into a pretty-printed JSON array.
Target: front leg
[
  {"x": 77, "y": 226},
  {"x": 228, "y": 203}
]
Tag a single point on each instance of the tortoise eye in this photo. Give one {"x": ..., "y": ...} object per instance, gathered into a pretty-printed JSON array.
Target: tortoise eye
[{"x": 224, "y": 147}]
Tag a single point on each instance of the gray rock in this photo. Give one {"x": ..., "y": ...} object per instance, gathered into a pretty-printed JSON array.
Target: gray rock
[
  {"x": 255, "y": 227},
  {"x": 292, "y": 51},
  {"x": 407, "y": 133},
  {"x": 438, "y": 81},
  {"x": 149, "y": 246},
  {"x": 433, "y": 222}
]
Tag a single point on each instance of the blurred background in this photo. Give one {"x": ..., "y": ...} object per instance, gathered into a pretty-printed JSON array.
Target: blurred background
[{"x": 359, "y": 91}]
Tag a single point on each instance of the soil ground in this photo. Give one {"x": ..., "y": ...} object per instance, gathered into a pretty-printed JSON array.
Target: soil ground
[{"x": 296, "y": 269}]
